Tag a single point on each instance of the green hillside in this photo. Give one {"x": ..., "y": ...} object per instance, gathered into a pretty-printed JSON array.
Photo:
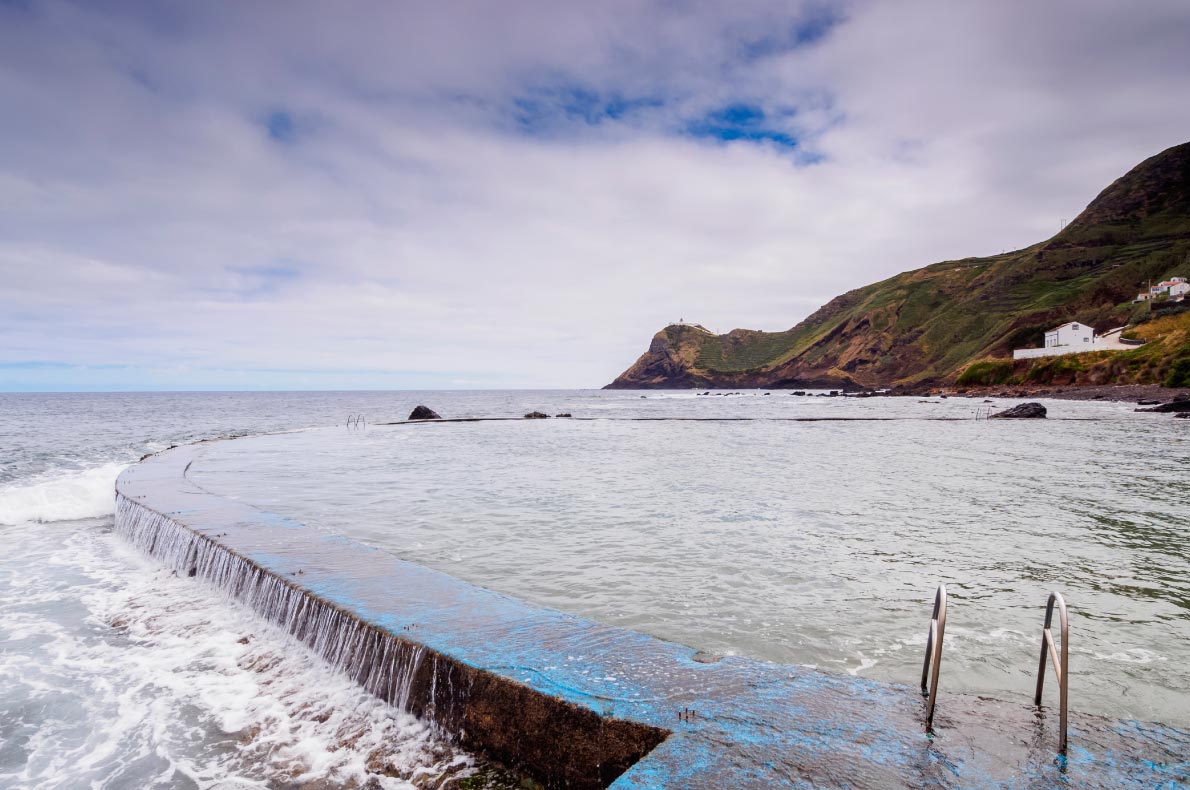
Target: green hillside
[{"x": 925, "y": 326}]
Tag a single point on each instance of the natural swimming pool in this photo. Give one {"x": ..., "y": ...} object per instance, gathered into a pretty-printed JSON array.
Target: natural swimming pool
[{"x": 807, "y": 542}]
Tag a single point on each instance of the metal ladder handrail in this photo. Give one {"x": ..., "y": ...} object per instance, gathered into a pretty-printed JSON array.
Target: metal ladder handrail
[
  {"x": 1061, "y": 664},
  {"x": 933, "y": 659}
]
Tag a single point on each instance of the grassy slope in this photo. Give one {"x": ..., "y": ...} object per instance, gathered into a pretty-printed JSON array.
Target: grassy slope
[
  {"x": 1164, "y": 359},
  {"x": 928, "y": 324}
]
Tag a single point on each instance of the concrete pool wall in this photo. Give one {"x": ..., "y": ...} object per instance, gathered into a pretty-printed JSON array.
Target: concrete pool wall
[{"x": 573, "y": 703}]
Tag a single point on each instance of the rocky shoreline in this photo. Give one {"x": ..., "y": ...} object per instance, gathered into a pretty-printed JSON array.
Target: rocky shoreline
[{"x": 1107, "y": 392}]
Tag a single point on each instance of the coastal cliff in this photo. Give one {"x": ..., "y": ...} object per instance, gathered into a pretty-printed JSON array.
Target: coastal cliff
[{"x": 927, "y": 326}]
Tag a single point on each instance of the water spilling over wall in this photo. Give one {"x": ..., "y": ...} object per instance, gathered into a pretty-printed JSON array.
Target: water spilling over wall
[
  {"x": 578, "y": 704},
  {"x": 484, "y": 712}
]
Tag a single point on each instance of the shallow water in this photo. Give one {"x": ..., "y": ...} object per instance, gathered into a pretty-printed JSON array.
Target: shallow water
[{"x": 817, "y": 543}]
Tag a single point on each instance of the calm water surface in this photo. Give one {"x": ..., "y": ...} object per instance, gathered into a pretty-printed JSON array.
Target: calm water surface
[{"x": 817, "y": 543}]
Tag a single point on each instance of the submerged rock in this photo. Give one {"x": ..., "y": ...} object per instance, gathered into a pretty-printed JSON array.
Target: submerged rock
[
  {"x": 563, "y": 414},
  {"x": 1025, "y": 411},
  {"x": 536, "y": 415},
  {"x": 424, "y": 413},
  {"x": 1176, "y": 406}
]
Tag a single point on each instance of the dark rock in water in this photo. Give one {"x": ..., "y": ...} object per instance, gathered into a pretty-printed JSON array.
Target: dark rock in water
[
  {"x": 800, "y": 392},
  {"x": 834, "y": 394},
  {"x": 424, "y": 413},
  {"x": 1148, "y": 402},
  {"x": 1175, "y": 406},
  {"x": 536, "y": 415},
  {"x": 1024, "y": 411},
  {"x": 1183, "y": 414},
  {"x": 563, "y": 414},
  {"x": 987, "y": 401}
]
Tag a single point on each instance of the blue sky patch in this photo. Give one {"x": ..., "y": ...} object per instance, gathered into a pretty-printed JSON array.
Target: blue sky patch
[
  {"x": 544, "y": 110},
  {"x": 261, "y": 281},
  {"x": 281, "y": 126},
  {"x": 740, "y": 122},
  {"x": 808, "y": 30}
]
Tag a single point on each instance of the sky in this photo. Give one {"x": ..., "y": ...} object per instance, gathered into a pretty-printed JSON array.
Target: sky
[{"x": 519, "y": 194}]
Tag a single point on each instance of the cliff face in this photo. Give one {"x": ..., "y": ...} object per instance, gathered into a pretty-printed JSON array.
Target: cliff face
[{"x": 924, "y": 326}]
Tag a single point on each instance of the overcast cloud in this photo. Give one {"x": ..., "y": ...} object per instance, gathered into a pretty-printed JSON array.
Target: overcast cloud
[{"x": 519, "y": 194}]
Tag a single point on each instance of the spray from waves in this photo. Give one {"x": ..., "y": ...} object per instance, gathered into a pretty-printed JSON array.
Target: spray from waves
[
  {"x": 129, "y": 676},
  {"x": 62, "y": 495}
]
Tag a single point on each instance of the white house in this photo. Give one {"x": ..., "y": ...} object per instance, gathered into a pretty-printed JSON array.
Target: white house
[
  {"x": 1167, "y": 285},
  {"x": 1070, "y": 334},
  {"x": 1073, "y": 338},
  {"x": 1179, "y": 289}
]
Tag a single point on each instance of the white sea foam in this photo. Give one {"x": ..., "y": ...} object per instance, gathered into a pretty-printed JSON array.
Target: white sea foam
[
  {"x": 62, "y": 495},
  {"x": 123, "y": 675}
]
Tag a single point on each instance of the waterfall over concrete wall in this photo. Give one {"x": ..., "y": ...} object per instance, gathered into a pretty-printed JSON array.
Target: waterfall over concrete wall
[
  {"x": 527, "y": 686},
  {"x": 481, "y": 711}
]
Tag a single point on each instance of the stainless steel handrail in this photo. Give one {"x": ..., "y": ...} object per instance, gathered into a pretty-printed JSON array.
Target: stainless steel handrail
[
  {"x": 1061, "y": 664},
  {"x": 933, "y": 660}
]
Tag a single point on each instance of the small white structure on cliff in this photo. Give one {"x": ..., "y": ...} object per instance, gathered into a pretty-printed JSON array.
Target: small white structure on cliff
[{"x": 1073, "y": 338}]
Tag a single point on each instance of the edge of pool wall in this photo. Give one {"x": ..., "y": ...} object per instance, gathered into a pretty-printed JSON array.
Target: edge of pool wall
[{"x": 572, "y": 703}]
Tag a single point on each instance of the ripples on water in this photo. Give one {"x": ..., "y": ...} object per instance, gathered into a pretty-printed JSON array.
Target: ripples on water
[
  {"x": 116, "y": 675},
  {"x": 808, "y": 542},
  {"x": 816, "y": 543}
]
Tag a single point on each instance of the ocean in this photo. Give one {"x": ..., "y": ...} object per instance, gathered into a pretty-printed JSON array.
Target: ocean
[{"x": 804, "y": 530}]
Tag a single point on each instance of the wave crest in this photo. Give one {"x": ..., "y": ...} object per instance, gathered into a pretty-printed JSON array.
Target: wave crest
[{"x": 62, "y": 496}]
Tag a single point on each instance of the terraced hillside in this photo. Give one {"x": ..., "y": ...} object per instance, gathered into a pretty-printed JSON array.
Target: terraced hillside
[{"x": 926, "y": 326}]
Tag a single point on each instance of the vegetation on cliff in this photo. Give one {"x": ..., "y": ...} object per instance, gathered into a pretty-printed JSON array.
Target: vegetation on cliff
[{"x": 929, "y": 325}]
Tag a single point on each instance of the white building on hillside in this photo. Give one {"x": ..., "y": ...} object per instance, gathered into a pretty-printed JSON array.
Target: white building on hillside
[
  {"x": 1074, "y": 338},
  {"x": 1070, "y": 334},
  {"x": 1176, "y": 287}
]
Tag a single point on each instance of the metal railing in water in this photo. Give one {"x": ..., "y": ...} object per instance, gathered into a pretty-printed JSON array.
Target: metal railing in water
[
  {"x": 1049, "y": 652},
  {"x": 933, "y": 660}
]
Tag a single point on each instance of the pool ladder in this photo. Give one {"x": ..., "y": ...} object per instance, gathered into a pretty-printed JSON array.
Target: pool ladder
[{"x": 1049, "y": 653}]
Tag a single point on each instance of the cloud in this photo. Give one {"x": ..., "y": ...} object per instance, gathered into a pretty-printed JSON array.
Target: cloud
[{"x": 520, "y": 194}]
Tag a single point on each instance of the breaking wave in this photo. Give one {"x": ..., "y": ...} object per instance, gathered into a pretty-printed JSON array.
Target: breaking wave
[
  {"x": 62, "y": 495},
  {"x": 131, "y": 676}
]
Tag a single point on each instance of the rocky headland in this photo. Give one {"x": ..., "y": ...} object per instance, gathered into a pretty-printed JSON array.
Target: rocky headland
[{"x": 955, "y": 323}]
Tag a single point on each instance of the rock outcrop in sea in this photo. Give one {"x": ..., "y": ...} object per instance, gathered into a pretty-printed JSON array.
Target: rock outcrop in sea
[{"x": 1025, "y": 411}]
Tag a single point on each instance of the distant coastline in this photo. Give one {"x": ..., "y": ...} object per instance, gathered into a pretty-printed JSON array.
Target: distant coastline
[{"x": 959, "y": 321}]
